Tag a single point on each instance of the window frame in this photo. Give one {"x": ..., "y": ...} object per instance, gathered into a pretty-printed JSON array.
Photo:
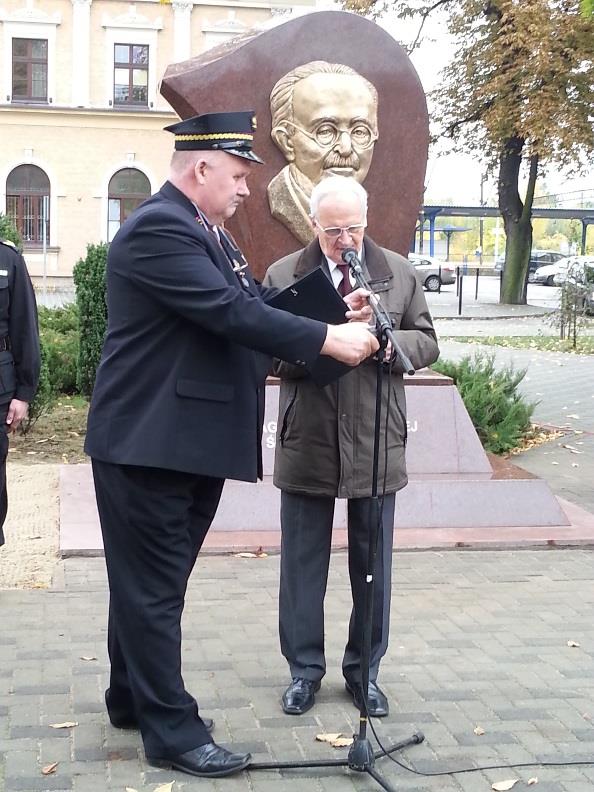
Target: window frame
[
  {"x": 145, "y": 34},
  {"x": 21, "y": 213},
  {"x": 30, "y": 60},
  {"x": 131, "y": 67},
  {"x": 113, "y": 196}
]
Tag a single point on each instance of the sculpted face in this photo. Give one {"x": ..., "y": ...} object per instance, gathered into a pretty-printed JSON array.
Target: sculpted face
[{"x": 334, "y": 127}]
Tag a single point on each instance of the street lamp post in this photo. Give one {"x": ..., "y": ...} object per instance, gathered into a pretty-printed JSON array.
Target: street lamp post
[{"x": 483, "y": 180}]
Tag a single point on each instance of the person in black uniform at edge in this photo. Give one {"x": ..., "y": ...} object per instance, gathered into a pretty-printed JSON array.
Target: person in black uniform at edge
[
  {"x": 177, "y": 408},
  {"x": 19, "y": 354}
]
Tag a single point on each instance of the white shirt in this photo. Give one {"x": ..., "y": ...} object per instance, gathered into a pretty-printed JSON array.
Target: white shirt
[{"x": 336, "y": 274}]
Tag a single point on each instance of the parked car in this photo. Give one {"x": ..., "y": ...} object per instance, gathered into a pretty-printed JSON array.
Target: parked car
[
  {"x": 549, "y": 272},
  {"x": 538, "y": 258},
  {"x": 430, "y": 270},
  {"x": 575, "y": 269}
]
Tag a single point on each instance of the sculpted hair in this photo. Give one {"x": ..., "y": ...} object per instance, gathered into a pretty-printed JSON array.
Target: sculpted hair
[
  {"x": 337, "y": 185},
  {"x": 281, "y": 96}
]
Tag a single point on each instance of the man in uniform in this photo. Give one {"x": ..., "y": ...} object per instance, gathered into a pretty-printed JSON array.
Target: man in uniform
[
  {"x": 19, "y": 353},
  {"x": 324, "y": 450},
  {"x": 177, "y": 408}
]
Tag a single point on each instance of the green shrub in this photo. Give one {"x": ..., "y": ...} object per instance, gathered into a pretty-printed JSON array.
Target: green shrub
[
  {"x": 501, "y": 415},
  {"x": 89, "y": 280},
  {"x": 8, "y": 230},
  {"x": 45, "y": 396},
  {"x": 58, "y": 328}
]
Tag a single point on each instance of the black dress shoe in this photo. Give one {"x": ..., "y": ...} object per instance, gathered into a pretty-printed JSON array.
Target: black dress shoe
[
  {"x": 206, "y": 761},
  {"x": 300, "y": 696},
  {"x": 377, "y": 703}
]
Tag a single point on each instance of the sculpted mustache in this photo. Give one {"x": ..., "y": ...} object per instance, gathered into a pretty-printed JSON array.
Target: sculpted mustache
[{"x": 334, "y": 160}]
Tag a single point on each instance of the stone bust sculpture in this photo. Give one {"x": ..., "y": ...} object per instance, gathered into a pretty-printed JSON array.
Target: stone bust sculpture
[{"x": 324, "y": 120}]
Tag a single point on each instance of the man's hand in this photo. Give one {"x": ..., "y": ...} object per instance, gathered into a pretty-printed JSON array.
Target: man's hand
[
  {"x": 359, "y": 308},
  {"x": 350, "y": 343},
  {"x": 17, "y": 412}
]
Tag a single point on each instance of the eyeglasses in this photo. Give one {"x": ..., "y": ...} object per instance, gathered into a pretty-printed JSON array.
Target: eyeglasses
[
  {"x": 327, "y": 134},
  {"x": 335, "y": 231}
]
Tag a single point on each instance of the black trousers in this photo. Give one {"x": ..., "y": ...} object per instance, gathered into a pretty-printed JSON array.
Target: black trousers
[
  {"x": 153, "y": 522},
  {"x": 3, "y": 456},
  {"x": 306, "y": 526}
]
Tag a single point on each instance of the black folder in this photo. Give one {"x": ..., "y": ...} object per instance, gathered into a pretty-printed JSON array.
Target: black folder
[{"x": 315, "y": 296}]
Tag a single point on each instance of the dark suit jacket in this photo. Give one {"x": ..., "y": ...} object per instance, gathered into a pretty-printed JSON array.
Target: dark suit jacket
[{"x": 180, "y": 383}]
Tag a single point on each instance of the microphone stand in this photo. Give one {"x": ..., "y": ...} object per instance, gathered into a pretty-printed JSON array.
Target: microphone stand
[
  {"x": 361, "y": 757},
  {"x": 382, "y": 318}
]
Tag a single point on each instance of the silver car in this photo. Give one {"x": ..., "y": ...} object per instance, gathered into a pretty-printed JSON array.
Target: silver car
[{"x": 432, "y": 272}]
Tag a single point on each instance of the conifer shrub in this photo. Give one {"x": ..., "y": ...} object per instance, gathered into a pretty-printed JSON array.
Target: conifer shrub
[
  {"x": 58, "y": 328},
  {"x": 89, "y": 280},
  {"x": 499, "y": 412}
]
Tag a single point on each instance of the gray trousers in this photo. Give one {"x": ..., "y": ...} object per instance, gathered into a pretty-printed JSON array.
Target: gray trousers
[{"x": 306, "y": 527}]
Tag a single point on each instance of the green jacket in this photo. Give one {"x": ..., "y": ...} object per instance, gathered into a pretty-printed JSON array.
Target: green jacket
[{"x": 324, "y": 441}]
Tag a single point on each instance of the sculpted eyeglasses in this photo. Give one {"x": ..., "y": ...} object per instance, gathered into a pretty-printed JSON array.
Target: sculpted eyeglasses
[
  {"x": 327, "y": 134},
  {"x": 335, "y": 231}
]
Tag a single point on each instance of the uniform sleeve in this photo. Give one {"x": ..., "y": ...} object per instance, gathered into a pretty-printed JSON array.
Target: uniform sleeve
[
  {"x": 23, "y": 331},
  {"x": 168, "y": 262}
]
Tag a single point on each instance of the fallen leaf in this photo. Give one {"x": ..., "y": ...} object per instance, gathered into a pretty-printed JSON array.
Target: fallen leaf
[
  {"x": 65, "y": 725},
  {"x": 50, "y": 768},
  {"x": 572, "y": 643},
  {"x": 503, "y": 786},
  {"x": 165, "y": 787},
  {"x": 479, "y": 730},
  {"x": 261, "y": 553},
  {"x": 88, "y": 657},
  {"x": 342, "y": 742},
  {"x": 328, "y": 737},
  {"x": 532, "y": 781}
]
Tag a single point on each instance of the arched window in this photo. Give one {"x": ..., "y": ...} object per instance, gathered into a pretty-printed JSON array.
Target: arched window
[
  {"x": 27, "y": 203},
  {"x": 128, "y": 188}
]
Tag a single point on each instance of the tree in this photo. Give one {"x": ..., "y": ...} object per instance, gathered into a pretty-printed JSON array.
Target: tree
[
  {"x": 518, "y": 93},
  {"x": 8, "y": 230}
]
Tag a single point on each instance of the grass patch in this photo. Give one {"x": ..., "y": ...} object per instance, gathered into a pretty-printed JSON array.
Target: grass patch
[
  {"x": 57, "y": 436},
  {"x": 585, "y": 344}
]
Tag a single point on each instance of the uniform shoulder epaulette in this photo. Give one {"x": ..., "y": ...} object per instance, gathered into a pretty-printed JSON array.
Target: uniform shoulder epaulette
[{"x": 8, "y": 243}]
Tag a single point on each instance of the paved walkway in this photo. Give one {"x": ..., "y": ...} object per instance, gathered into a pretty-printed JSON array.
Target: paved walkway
[{"x": 479, "y": 643}]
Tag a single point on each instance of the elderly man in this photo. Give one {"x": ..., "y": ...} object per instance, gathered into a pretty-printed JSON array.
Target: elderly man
[
  {"x": 324, "y": 451},
  {"x": 177, "y": 409},
  {"x": 324, "y": 120}
]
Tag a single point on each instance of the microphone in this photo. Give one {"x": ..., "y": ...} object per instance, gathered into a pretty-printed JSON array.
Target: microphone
[{"x": 350, "y": 257}]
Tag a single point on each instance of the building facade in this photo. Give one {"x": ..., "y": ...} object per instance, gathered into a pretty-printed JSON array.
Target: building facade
[{"x": 81, "y": 116}]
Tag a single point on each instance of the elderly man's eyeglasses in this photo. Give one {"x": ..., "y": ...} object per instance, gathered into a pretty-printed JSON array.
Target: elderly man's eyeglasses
[
  {"x": 327, "y": 134},
  {"x": 335, "y": 231}
]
